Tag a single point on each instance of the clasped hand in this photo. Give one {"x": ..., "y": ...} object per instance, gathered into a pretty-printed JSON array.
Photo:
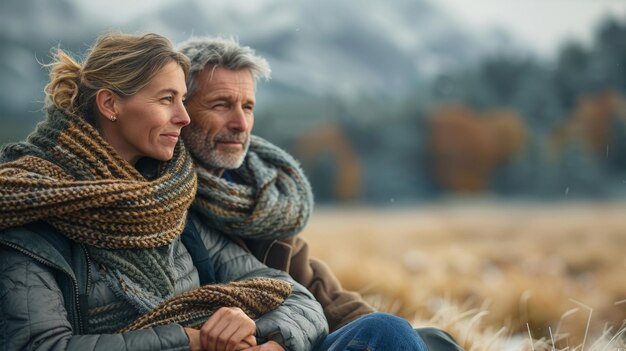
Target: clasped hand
[{"x": 228, "y": 329}]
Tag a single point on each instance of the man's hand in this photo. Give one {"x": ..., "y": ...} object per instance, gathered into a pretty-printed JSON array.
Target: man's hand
[
  {"x": 268, "y": 346},
  {"x": 228, "y": 329}
]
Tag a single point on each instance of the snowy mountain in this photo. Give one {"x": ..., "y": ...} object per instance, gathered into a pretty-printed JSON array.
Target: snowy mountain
[
  {"x": 350, "y": 47},
  {"x": 345, "y": 49}
]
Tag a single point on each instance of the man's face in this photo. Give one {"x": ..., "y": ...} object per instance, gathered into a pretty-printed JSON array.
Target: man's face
[{"x": 222, "y": 115}]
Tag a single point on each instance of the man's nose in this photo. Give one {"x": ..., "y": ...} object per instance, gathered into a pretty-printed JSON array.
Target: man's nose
[{"x": 238, "y": 120}]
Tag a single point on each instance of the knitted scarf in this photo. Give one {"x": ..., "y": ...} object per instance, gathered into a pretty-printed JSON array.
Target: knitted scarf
[
  {"x": 67, "y": 175},
  {"x": 272, "y": 199},
  {"x": 255, "y": 297}
]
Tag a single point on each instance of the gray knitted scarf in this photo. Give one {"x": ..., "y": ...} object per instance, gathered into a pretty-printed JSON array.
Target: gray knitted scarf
[{"x": 272, "y": 199}]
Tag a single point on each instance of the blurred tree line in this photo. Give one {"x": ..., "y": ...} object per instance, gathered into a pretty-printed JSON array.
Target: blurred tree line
[{"x": 510, "y": 125}]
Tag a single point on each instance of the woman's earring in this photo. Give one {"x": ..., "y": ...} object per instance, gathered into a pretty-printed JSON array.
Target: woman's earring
[{"x": 113, "y": 118}]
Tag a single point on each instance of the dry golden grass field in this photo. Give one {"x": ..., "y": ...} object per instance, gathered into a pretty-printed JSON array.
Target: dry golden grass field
[{"x": 493, "y": 274}]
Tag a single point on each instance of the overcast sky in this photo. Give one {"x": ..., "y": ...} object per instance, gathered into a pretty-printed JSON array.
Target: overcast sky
[{"x": 540, "y": 24}]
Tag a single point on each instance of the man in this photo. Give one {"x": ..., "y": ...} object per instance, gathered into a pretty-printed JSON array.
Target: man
[{"x": 255, "y": 193}]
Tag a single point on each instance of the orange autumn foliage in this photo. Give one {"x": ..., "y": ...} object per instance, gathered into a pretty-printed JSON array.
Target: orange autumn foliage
[
  {"x": 466, "y": 146},
  {"x": 330, "y": 139},
  {"x": 590, "y": 121}
]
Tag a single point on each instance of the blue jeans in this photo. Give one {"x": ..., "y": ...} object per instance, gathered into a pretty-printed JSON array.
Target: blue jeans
[{"x": 374, "y": 332}]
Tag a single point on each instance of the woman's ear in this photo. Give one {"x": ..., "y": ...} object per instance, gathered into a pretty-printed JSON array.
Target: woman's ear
[{"x": 107, "y": 103}]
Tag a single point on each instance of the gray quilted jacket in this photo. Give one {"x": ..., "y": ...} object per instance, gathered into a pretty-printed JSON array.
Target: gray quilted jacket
[{"x": 47, "y": 285}]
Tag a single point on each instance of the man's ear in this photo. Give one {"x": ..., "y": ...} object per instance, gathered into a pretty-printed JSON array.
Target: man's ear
[{"x": 107, "y": 103}]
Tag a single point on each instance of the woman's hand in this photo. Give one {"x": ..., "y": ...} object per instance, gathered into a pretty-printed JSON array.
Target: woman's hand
[
  {"x": 228, "y": 329},
  {"x": 194, "y": 339}
]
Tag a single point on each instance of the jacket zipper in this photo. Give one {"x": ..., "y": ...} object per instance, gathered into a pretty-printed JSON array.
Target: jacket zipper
[
  {"x": 88, "y": 259},
  {"x": 76, "y": 318}
]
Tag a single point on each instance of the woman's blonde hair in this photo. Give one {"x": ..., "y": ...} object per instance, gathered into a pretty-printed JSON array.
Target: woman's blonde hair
[{"x": 122, "y": 63}]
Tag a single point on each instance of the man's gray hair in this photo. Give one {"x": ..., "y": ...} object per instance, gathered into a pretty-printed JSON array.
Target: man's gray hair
[{"x": 216, "y": 52}]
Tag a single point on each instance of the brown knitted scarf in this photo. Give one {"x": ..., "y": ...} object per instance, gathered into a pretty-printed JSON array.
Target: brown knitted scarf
[
  {"x": 68, "y": 176},
  {"x": 255, "y": 297}
]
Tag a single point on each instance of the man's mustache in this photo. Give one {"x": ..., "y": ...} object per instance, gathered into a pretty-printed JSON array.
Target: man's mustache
[{"x": 232, "y": 137}]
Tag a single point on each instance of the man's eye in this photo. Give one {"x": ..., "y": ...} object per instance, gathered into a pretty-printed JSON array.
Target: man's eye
[{"x": 168, "y": 98}]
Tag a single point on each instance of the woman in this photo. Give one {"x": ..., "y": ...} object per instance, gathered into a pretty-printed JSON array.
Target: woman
[{"x": 98, "y": 250}]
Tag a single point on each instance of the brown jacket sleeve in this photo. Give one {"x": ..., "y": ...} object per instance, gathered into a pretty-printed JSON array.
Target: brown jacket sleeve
[{"x": 292, "y": 255}]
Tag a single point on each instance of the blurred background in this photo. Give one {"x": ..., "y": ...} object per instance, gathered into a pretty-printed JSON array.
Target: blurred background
[
  {"x": 483, "y": 140},
  {"x": 389, "y": 102}
]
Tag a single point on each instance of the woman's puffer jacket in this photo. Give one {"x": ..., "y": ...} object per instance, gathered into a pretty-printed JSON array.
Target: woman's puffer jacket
[{"x": 46, "y": 293}]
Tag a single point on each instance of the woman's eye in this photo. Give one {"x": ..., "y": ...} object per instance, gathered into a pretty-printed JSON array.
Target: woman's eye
[{"x": 168, "y": 98}]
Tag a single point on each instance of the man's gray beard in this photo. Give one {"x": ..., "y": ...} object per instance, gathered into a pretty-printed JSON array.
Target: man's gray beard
[{"x": 223, "y": 160}]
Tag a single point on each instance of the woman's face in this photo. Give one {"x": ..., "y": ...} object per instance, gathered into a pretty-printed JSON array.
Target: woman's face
[{"x": 148, "y": 123}]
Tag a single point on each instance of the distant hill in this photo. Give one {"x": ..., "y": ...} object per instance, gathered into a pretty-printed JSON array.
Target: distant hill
[{"x": 351, "y": 47}]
